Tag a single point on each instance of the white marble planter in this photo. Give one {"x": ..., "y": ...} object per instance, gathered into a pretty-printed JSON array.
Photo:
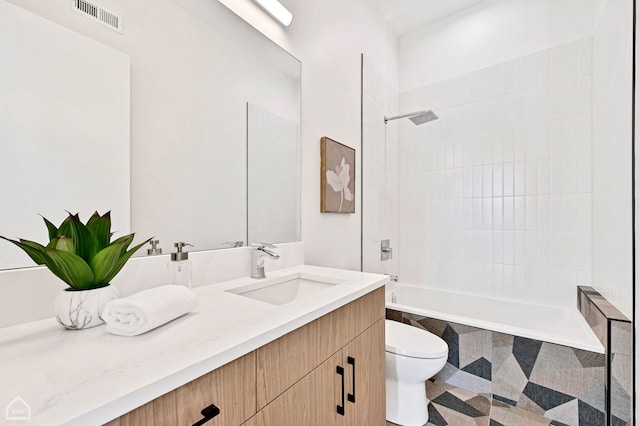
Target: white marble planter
[{"x": 79, "y": 309}]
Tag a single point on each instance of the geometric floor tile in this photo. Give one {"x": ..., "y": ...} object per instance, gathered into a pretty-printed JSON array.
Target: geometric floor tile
[{"x": 507, "y": 415}]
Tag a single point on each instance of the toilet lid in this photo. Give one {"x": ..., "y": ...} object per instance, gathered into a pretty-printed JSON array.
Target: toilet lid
[{"x": 403, "y": 339}]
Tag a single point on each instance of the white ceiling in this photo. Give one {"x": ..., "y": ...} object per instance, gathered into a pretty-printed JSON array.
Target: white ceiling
[{"x": 405, "y": 16}]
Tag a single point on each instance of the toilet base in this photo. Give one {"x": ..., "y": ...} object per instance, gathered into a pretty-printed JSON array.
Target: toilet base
[{"x": 407, "y": 403}]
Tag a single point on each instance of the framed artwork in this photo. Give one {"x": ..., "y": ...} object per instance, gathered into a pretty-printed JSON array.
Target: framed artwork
[{"x": 337, "y": 177}]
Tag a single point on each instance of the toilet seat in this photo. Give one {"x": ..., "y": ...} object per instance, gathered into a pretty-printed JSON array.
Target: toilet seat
[{"x": 403, "y": 339}]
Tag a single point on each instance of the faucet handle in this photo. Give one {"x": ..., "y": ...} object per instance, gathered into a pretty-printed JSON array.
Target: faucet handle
[
  {"x": 263, "y": 245},
  {"x": 233, "y": 243}
]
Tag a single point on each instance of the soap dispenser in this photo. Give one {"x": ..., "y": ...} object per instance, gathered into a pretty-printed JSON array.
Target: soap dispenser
[{"x": 180, "y": 266}]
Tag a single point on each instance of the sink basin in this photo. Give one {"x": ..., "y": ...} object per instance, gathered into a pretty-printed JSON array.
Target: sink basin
[{"x": 285, "y": 289}]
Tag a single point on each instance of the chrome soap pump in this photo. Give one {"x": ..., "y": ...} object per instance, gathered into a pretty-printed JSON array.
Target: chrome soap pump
[{"x": 180, "y": 266}]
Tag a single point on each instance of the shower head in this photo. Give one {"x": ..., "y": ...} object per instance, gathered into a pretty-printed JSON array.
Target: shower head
[{"x": 418, "y": 117}]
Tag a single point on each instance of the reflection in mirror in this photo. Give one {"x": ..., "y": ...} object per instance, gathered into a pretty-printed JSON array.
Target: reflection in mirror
[
  {"x": 194, "y": 67},
  {"x": 64, "y": 115},
  {"x": 273, "y": 156}
]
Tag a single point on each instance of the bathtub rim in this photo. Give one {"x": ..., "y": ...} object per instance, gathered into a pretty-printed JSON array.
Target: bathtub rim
[{"x": 591, "y": 344}]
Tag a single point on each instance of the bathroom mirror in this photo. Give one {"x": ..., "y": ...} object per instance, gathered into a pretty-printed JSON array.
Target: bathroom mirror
[
  {"x": 195, "y": 66},
  {"x": 64, "y": 115}
]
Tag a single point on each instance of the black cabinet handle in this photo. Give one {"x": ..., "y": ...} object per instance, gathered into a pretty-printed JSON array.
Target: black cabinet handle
[
  {"x": 352, "y": 396},
  {"x": 209, "y": 413},
  {"x": 339, "y": 408}
]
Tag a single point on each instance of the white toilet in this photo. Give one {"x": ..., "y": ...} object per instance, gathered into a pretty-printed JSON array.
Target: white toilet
[{"x": 412, "y": 356}]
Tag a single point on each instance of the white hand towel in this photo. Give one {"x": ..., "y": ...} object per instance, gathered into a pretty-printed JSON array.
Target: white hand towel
[{"x": 148, "y": 309}]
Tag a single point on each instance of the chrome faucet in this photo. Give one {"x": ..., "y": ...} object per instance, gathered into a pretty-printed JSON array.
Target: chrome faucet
[{"x": 259, "y": 252}]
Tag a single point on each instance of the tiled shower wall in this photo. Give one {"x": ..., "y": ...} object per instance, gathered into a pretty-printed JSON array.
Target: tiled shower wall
[
  {"x": 380, "y": 169},
  {"x": 612, "y": 73},
  {"x": 495, "y": 196}
]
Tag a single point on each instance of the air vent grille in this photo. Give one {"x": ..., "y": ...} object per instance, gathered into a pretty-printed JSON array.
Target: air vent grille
[{"x": 98, "y": 13}]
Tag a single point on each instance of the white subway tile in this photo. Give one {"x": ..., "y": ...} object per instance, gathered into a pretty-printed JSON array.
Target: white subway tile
[
  {"x": 508, "y": 179},
  {"x": 544, "y": 212},
  {"x": 557, "y": 175},
  {"x": 497, "y": 213},
  {"x": 487, "y": 180},
  {"x": 477, "y": 213},
  {"x": 507, "y": 214},
  {"x": 519, "y": 247},
  {"x": 487, "y": 213},
  {"x": 519, "y": 178},
  {"x": 519, "y": 144},
  {"x": 544, "y": 176},
  {"x": 519, "y": 213},
  {"x": 531, "y": 248},
  {"x": 477, "y": 181},
  {"x": 584, "y": 57},
  {"x": 556, "y": 249},
  {"x": 467, "y": 182},
  {"x": 544, "y": 249},
  {"x": 532, "y": 177},
  {"x": 531, "y": 214},
  {"x": 497, "y": 180},
  {"x": 557, "y": 212},
  {"x": 532, "y": 105},
  {"x": 570, "y": 60},
  {"x": 557, "y": 63},
  {"x": 508, "y": 247},
  {"x": 544, "y": 67},
  {"x": 497, "y": 247}
]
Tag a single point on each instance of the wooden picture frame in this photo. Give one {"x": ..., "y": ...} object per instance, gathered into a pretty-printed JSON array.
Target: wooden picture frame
[{"x": 337, "y": 177}]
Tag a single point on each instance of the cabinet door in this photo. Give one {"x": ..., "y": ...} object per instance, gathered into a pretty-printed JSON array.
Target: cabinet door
[
  {"x": 364, "y": 360},
  {"x": 313, "y": 401},
  {"x": 231, "y": 388},
  {"x": 288, "y": 359}
]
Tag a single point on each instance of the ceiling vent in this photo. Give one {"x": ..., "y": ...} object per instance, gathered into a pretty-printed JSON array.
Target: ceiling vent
[{"x": 98, "y": 13}]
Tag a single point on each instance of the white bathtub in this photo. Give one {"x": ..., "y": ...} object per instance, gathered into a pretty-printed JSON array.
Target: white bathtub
[{"x": 545, "y": 323}]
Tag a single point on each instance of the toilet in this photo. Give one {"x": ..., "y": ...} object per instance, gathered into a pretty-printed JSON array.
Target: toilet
[{"x": 412, "y": 356}]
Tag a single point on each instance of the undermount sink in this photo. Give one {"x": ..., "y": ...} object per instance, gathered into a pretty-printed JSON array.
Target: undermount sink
[{"x": 286, "y": 289}]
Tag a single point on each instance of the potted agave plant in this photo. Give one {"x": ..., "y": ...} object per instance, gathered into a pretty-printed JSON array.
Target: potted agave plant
[{"x": 84, "y": 257}]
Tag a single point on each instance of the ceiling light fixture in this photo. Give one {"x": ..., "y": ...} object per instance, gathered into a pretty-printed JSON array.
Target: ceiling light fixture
[{"x": 277, "y": 10}]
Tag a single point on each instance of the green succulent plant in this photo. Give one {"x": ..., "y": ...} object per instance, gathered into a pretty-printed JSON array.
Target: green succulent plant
[{"x": 83, "y": 256}]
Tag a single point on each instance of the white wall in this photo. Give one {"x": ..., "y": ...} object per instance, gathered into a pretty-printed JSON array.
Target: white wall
[
  {"x": 491, "y": 32},
  {"x": 496, "y": 194},
  {"x": 612, "y": 73}
]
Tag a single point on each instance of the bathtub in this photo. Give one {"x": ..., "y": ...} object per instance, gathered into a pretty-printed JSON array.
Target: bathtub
[{"x": 545, "y": 323}]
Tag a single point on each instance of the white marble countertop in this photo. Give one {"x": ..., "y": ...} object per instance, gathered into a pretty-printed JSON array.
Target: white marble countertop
[{"x": 90, "y": 377}]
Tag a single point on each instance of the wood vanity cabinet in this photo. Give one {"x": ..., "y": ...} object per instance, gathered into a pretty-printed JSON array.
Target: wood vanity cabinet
[{"x": 301, "y": 379}]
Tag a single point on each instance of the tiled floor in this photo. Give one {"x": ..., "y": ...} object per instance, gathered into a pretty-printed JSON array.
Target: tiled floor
[{"x": 459, "y": 407}]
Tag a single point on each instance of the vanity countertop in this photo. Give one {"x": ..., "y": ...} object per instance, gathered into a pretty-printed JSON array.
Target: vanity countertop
[{"x": 90, "y": 377}]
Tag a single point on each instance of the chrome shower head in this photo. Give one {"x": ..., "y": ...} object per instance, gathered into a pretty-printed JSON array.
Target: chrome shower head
[{"x": 417, "y": 118}]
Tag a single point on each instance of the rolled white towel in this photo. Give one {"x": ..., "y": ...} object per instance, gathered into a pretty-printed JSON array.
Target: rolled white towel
[{"x": 148, "y": 309}]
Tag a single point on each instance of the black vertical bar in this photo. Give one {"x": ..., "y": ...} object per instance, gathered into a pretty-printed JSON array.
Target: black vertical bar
[{"x": 340, "y": 408}]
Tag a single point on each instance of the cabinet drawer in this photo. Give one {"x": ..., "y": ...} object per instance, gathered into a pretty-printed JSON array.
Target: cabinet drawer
[
  {"x": 231, "y": 388},
  {"x": 288, "y": 359},
  {"x": 159, "y": 412}
]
